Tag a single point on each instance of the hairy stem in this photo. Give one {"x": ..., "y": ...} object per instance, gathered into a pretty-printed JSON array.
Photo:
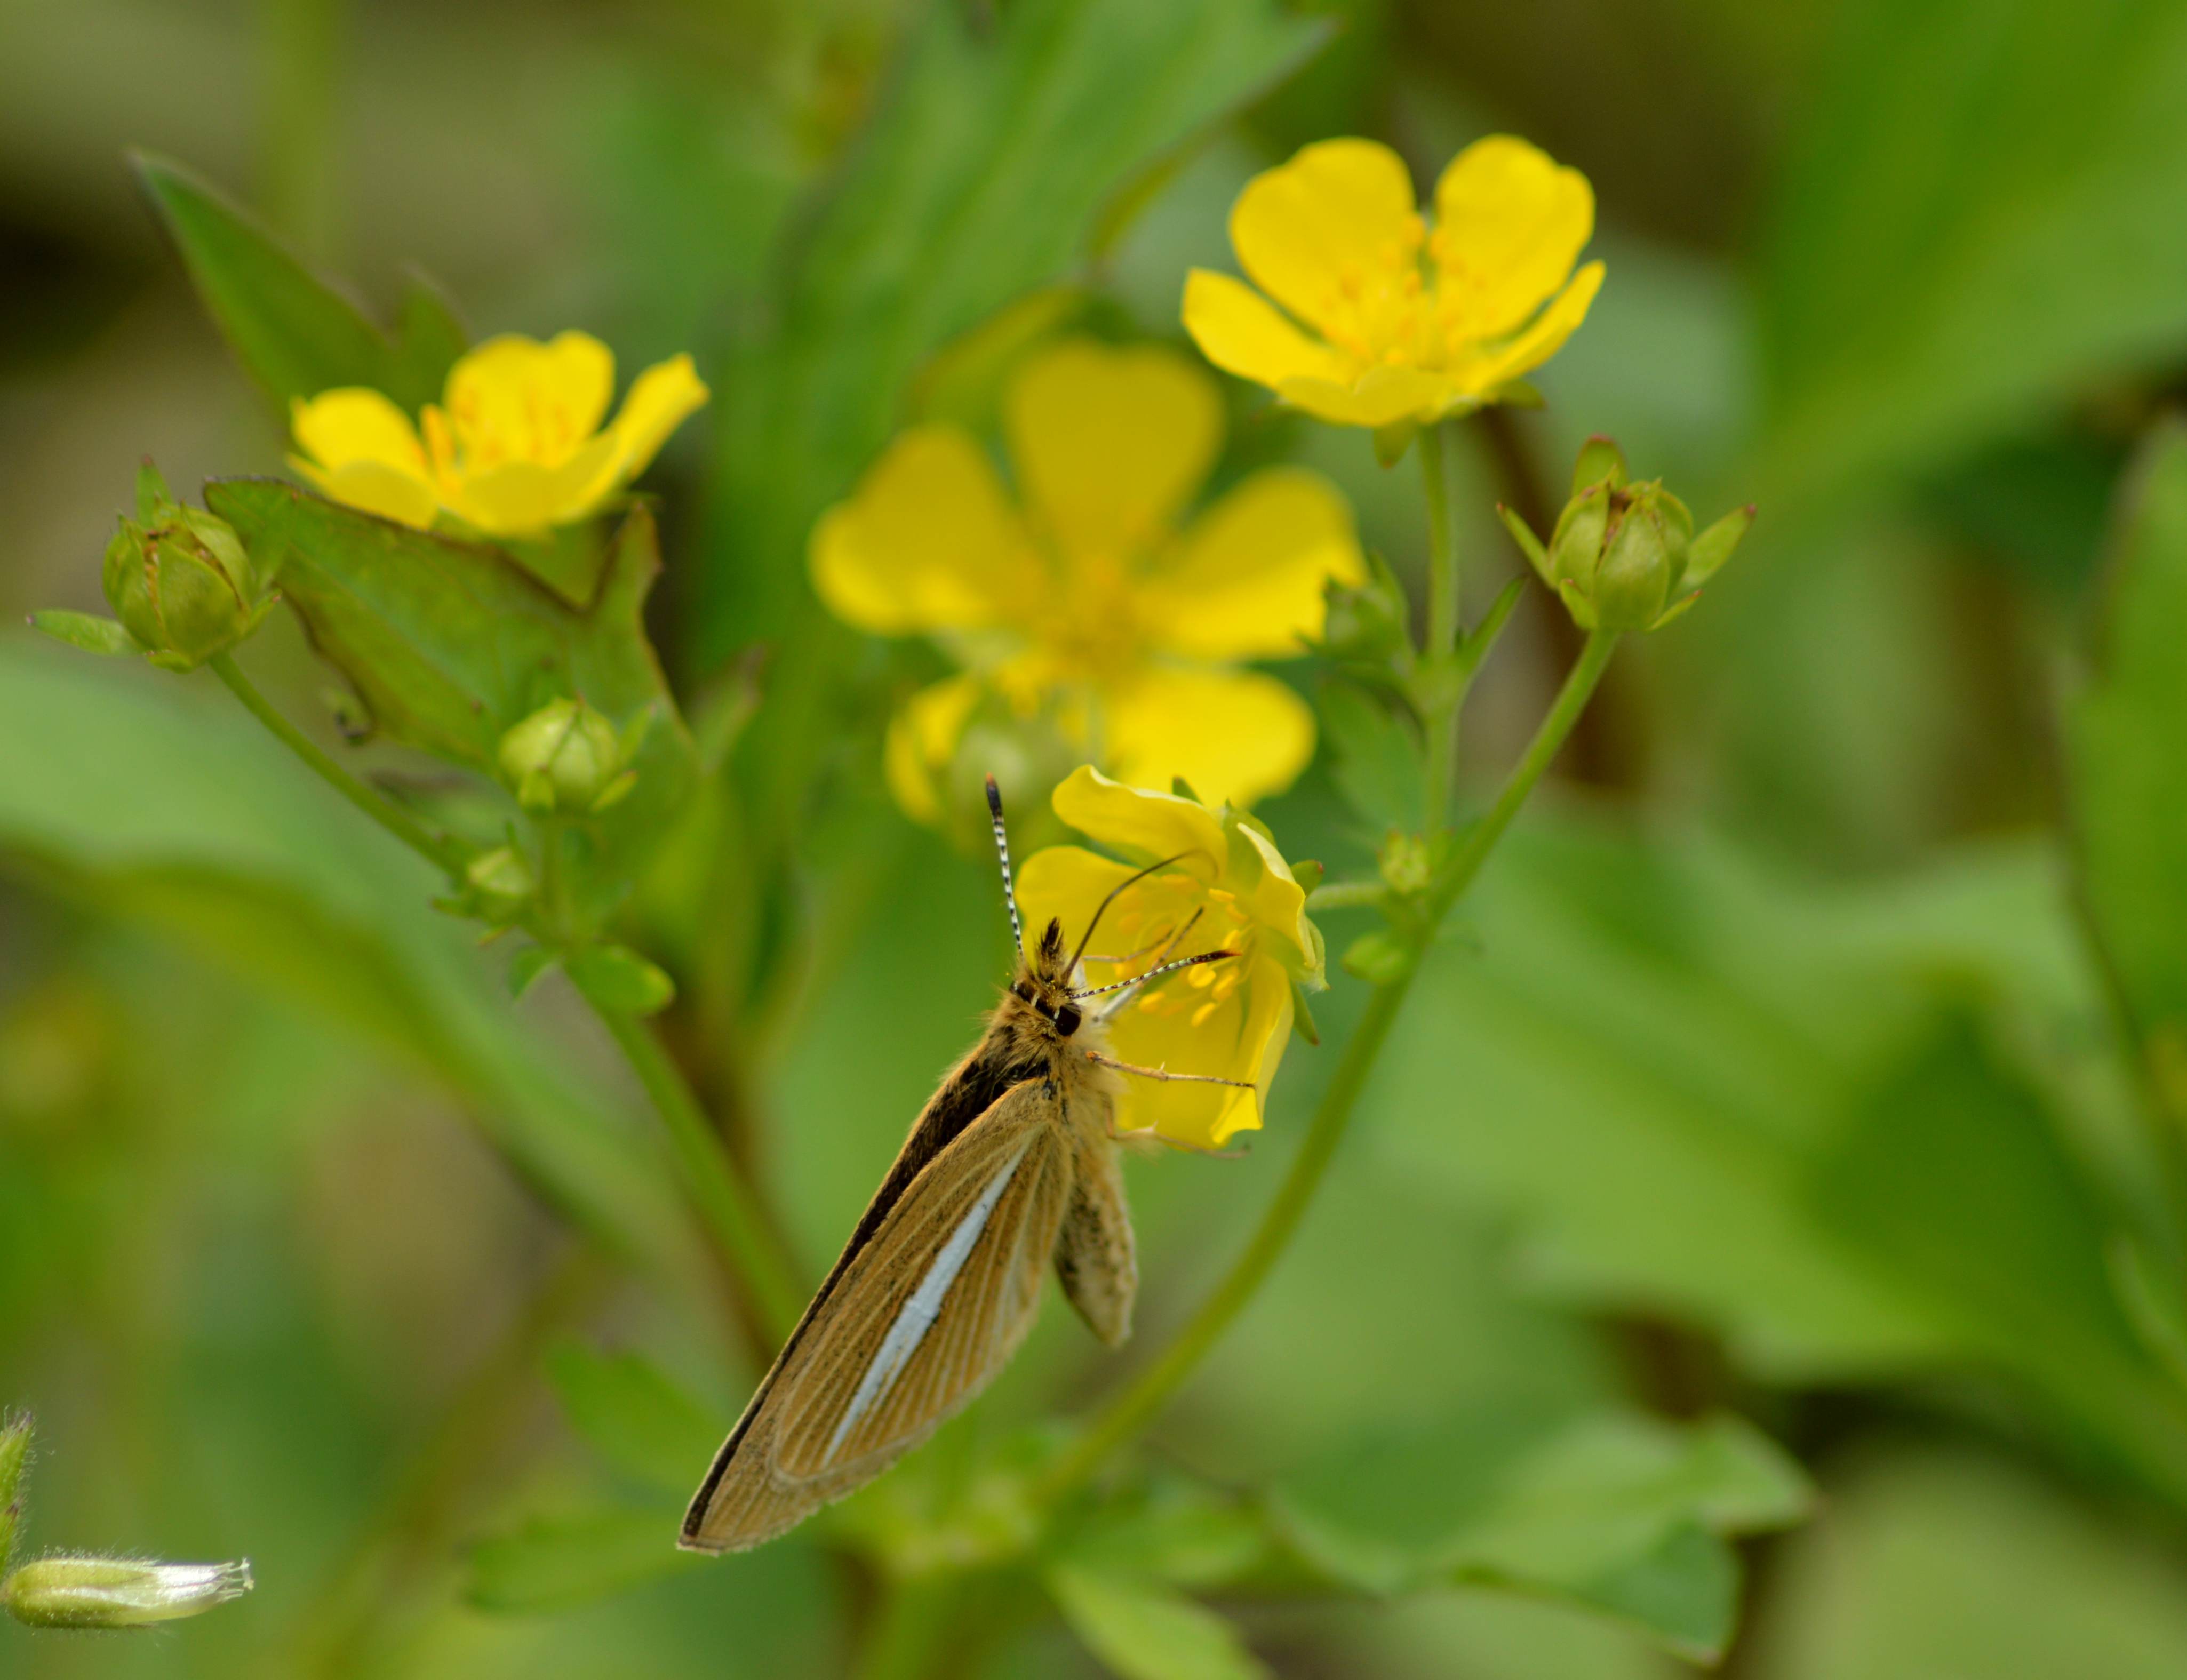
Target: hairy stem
[
  {"x": 1132, "y": 1410},
  {"x": 448, "y": 853},
  {"x": 711, "y": 1179}
]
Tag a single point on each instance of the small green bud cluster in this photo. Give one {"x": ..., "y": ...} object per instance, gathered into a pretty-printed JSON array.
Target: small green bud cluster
[
  {"x": 568, "y": 758},
  {"x": 1623, "y": 555},
  {"x": 98, "y": 1593}
]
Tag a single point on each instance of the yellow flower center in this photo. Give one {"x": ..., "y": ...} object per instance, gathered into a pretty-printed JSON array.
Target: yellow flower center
[
  {"x": 1162, "y": 919},
  {"x": 1417, "y": 302}
]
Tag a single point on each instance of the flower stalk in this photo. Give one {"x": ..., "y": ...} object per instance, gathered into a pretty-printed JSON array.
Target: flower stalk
[{"x": 1442, "y": 627}]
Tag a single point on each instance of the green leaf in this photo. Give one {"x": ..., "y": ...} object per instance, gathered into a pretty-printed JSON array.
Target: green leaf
[
  {"x": 1377, "y": 762},
  {"x": 1614, "y": 1511},
  {"x": 642, "y": 1421},
  {"x": 1938, "y": 1564},
  {"x": 553, "y": 1565},
  {"x": 2126, "y": 740},
  {"x": 1954, "y": 1185},
  {"x": 982, "y": 176},
  {"x": 1377, "y": 958},
  {"x": 452, "y": 644},
  {"x": 1142, "y": 1631},
  {"x": 1174, "y": 1531},
  {"x": 92, "y": 633},
  {"x": 527, "y": 968},
  {"x": 166, "y": 805},
  {"x": 616, "y": 978},
  {"x": 294, "y": 334},
  {"x": 1979, "y": 220}
]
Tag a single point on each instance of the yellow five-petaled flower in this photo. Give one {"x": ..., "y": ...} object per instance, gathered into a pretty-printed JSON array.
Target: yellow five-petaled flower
[
  {"x": 1407, "y": 323},
  {"x": 1224, "y": 887},
  {"x": 1092, "y": 601},
  {"x": 515, "y": 447}
]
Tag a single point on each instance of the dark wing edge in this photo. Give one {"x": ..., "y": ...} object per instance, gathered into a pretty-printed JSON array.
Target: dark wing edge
[{"x": 793, "y": 1451}]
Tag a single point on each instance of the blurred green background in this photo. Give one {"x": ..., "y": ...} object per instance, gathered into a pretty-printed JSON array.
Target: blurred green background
[{"x": 1774, "y": 1074}]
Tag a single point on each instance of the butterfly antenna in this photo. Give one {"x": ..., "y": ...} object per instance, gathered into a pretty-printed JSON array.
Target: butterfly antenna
[
  {"x": 1153, "y": 974},
  {"x": 1003, "y": 851},
  {"x": 1128, "y": 881}
]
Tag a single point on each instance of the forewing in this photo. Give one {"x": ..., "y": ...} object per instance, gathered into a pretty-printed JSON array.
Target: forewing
[
  {"x": 919, "y": 1320},
  {"x": 1096, "y": 1259}
]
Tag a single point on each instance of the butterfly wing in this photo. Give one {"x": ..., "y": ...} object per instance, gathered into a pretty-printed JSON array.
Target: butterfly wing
[
  {"x": 1096, "y": 1260},
  {"x": 915, "y": 1325}
]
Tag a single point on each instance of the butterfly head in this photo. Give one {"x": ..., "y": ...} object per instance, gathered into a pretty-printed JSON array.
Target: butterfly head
[{"x": 1043, "y": 983}]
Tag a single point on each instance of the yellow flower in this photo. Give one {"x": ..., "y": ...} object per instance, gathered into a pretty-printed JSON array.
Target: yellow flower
[
  {"x": 1413, "y": 325},
  {"x": 515, "y": 447},
  {"x": 1227, "y": 889},
  {"x": 1089, "y": 603}
]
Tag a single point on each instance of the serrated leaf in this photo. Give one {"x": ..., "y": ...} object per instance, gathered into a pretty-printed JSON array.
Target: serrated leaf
[
  {"x": 551, "y": 1564},
  {"x": 1142, "y": 1631},
  {"x": 92, "y": 633},
  {"x": 1377, "y": 757},
  {"x": 641, "y": 1420},
  {"x": 618, "y": 978},
  {"x": 450, "y": 644},
  {"x": 294, "y": 331}
]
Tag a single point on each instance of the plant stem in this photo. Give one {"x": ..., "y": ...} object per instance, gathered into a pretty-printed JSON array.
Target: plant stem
[
  {"x": 1443, "y": 625},
  {"x": 439, "y": 848},
  {"x": 711, "y": 1177},
  {"x": 1345, "y": 894},
  {"x": 1130, "y": 1411},
  {"x": 302, "y": 51},
  {"x": 1549, "y": 737}
]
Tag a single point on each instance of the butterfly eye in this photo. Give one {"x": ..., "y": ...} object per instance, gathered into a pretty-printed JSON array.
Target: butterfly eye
[{"x": 1066, "y": 1019}]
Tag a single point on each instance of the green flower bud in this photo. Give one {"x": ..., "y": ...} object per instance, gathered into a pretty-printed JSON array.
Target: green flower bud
[
  {"x": 567, "y": 757},
  {"x": 118, "y": 1592},
  {"x": 179, "y": 580},
  {"x": 1623, "y": 555}
]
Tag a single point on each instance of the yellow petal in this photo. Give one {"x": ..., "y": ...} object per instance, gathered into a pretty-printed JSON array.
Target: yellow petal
[
  {"x": 1241, "y": 1038},
  {"x": 522, "y": 498},
  {"x": 661, "y": 400},
  {"x": 1145, "y": 823},
  {"x": 1242, "y": 332},
  {"x": 1308, "y": 229},
  {"x": 1109, "y": 443},
  {"x": 377, "y": 488},
  {"x": 1247, "y": 581},
  {"x": 1491, "y": 366},
  {"x": 339, "y": 427},
  {"x": 1510, "y": 224},
  {"x": 1382, "y": 397},
  {"x": 1277, "y": 903},
  {"x": 927, "y": 541},
  {"x": 922, "y": 740},
  {"x": 1232, "y": 735},
  {"x": 515, "y": 399},
  {"x": 1067, "y": 883}
]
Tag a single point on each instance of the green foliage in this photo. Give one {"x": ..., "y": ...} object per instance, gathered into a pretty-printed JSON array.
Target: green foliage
[
  {"x": 982, "y": 176},
  {"x": 295, "y": 335},
  {"x": 640, "y": 1420},
  {"x": 1144, "y": 1630},
  {"x": 1975, "y": 220},
  {"x": 2127, "y": 732},
  {"x": 193, "y": 822},
  {"x": 555, "y": 1564}
]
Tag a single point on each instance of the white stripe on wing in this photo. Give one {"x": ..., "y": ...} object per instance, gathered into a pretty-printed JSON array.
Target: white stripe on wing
[{"x": 917, "y": 1315}]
